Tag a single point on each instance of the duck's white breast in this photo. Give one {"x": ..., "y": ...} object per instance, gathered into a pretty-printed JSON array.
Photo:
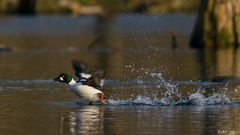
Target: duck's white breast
[{"x": 86, "y": 92}]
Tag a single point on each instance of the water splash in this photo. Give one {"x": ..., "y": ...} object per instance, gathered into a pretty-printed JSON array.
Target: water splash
[
  {"x": 171, "y": 94},
  {"x": 194, "y": 99},
  {"x": 139, "y": 100}
]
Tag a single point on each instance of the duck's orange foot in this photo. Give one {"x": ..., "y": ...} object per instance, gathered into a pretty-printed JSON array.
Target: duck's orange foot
[{"x": 104, "y": 101}]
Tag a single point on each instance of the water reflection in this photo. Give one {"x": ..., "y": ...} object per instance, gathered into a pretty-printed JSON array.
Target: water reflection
[
  {"x": 222, "y": 65},
  {"x": 86, "y": 120},
  {"x": 151, "y": 120},
  {"x": 221, "y": 62}
]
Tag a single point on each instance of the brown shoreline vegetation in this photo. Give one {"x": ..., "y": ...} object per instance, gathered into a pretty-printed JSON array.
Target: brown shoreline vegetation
[{"x": 86, "y": 7}]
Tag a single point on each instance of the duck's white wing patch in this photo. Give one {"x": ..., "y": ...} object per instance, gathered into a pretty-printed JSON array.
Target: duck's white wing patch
[
  {"x": 85, "y": 75},
  {"x": 81, "y": 69}
]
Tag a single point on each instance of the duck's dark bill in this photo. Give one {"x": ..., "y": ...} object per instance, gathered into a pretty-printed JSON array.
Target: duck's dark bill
[{"x": 57, "y": 79}]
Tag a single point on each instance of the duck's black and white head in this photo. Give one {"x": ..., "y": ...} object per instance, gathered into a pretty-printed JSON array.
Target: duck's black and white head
[{"x": 64, "y": 78}]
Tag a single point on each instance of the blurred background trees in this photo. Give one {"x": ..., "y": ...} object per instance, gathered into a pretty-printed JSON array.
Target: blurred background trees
[
  {"x": 217, "y": 24},
  {"x": 79, "y": 7}
]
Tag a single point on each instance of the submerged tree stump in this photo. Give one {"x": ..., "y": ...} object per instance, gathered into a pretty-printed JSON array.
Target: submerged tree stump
[{"x": 217, "y": 25}]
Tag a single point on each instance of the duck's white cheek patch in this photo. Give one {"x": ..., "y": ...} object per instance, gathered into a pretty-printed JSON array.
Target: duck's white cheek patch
[{"x": 61, "y": 78}]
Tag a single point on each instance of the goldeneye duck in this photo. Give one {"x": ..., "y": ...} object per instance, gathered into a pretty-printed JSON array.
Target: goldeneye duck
[{"x": 88, "y": 83}]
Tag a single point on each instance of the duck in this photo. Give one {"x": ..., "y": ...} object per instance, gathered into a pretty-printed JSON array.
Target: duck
[{"x": 90, "y": 80}]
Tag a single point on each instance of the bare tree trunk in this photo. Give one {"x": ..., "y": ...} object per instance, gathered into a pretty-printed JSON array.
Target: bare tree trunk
[
  {"x": 217, "y": 24},
  {"x": 197, "y": 35},
  {"x": 18, "y": 6},
  {"x": 26, "y": 6}
]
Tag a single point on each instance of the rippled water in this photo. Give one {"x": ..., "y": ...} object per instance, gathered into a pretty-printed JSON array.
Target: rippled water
[{"x": 152, "y": 88}]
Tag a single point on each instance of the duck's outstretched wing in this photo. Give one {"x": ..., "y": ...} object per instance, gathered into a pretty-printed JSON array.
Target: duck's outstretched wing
[
  {"x": 88, "y": 76},
  {"x": 97, "y": 77},
  {"x": 81, "y": 69}
]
